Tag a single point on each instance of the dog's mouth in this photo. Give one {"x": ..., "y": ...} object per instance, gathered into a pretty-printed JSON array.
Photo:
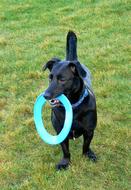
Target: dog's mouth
[{"x": 54, "y": 103}]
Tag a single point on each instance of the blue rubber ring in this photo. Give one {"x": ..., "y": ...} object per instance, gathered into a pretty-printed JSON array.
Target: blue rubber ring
[{"x": 46, "y": 137}]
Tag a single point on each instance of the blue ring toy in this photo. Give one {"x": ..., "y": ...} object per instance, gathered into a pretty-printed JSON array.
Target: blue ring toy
[{"x": 52, "y": 139}]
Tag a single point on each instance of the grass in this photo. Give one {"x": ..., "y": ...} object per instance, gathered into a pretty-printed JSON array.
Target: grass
[{"x": 31, "y": 33}]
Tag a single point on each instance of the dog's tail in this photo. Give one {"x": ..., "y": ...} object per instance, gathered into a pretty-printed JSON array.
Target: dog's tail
[{"x": 71, "y": 46}]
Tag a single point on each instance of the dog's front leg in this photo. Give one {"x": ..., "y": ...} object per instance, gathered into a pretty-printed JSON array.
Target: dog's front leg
[
  {"x": 64, "y": 163},
  {"x": 88, "y": 135}
]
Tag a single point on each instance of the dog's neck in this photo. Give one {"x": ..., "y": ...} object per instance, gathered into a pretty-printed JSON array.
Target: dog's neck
[{"x": 76, "y": 90}]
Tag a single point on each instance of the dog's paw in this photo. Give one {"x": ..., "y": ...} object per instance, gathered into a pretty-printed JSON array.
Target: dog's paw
[
  {"x": 91, "y": 155},
  {"x": 63, "y": 164}
]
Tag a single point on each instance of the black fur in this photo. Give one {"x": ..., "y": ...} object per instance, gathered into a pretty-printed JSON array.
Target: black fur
[
  {"x": 71, "y": 46},
  {"x": 66, "y": 77}
]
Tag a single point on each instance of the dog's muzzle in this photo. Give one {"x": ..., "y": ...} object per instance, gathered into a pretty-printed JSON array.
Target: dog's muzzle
[{"x": 54, "y": 103}]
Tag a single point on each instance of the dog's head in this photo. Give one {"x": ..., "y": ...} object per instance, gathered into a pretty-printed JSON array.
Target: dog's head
[{"x": 64, "y": 77}]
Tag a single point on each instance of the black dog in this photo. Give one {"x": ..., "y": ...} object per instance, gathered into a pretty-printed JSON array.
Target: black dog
[{"x": 72, "y": 79}]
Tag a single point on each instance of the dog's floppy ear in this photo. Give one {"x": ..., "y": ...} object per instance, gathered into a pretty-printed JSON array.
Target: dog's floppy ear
[
  {"x": 77, "y": 68},
  {"x": 50, "y": 63}
]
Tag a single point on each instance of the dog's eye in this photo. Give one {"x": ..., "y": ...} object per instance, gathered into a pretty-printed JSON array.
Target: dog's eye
[{"x": 62, "y": 80}]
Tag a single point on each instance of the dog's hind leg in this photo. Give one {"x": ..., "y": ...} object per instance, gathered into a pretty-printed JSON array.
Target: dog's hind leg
[
  {"x": 64, "y": 163},
  {"x": 86, "y": 145},
  {"x": 90, "y": 122}
]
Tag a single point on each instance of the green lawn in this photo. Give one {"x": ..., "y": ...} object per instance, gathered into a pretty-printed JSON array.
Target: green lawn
[{"x": 33, "y": 31}]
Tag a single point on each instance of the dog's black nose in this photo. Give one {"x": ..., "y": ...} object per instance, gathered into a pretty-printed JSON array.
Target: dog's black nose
[{"x": 47, "y": 96}]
